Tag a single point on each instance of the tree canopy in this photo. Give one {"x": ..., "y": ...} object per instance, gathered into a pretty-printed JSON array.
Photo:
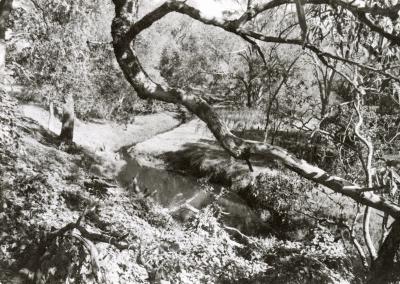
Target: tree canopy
[
  {"x": 344, "y": 36},
  {"x": 306, "y": 89}
]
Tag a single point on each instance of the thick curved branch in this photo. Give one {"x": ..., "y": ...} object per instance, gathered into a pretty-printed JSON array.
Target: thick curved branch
[
  {"x": 235, "y": 146},
  {"x": 232, "y": 27}
]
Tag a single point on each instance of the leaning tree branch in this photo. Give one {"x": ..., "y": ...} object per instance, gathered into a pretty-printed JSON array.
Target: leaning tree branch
[
  {"x": 133, "y": 29},
  {"x": 124, "y": 32}
]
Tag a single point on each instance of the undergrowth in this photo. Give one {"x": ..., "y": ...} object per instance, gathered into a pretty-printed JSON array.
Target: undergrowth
[{"x": 60, "y": 223}]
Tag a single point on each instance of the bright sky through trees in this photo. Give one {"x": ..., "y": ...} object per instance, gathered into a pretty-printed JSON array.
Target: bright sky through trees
[{"x": 210, "y": 7}]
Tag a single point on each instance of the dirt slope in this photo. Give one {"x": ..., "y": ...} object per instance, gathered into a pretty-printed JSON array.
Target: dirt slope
[{"x": 120, "y": 236}]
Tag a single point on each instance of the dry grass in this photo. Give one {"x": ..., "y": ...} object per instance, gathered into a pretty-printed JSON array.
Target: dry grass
[{"x": 243, "y": 119}]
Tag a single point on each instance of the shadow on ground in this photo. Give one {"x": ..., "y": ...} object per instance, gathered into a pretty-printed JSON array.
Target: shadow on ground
[{"x": 207, "y": 158}]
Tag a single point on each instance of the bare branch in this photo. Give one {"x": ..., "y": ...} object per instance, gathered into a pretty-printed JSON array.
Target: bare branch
[
  {"x": 257, "y": 47},
  {"x": 230, "y": 26},
  {"x": 370, "y": 149},
  {"x": 390, "y": 11},
  {"x": 235, "y": 146},
  {"x": 302, "y": 19}
]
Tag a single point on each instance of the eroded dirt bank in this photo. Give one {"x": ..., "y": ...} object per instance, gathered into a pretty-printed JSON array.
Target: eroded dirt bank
[
  {"x": 158, "y": 141},
  {"x": 50, "y": 199},
  {"x": 193, "y": 150},
  {"x": 109, "y": 136}
]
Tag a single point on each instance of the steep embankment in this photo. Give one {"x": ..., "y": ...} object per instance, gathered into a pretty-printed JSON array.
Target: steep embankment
[
  {"x": 192, "y": 149},
  {"x": 106, "y": 138},
  {"x": 107, "y": 135},
  {"x": 59, "y": 221}
]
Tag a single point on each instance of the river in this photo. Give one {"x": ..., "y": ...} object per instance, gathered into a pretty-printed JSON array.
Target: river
[{"x": 172, "y": 189}]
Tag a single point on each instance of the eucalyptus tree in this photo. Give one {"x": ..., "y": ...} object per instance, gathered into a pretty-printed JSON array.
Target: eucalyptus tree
[
  {"x": 347, "y": 23},
  {"x": 62, "y": 55}
]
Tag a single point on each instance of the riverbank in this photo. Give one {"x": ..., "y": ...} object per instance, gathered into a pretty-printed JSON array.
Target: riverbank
[
  {"x": 192, "y": 150},
  {"x": 47, "y": 190},
  {"x": 160, "y": 144},
  {"x": 168, "y": 188},
  {"x": 158, "y": 141},
  {"x": 59, "y": 221},
  {"x": 107, "y": 135},
  {"x": 106, "y": 138}
]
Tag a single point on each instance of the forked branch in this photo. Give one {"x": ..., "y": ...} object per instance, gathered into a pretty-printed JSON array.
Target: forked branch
[{"x": 124, "y": 32}]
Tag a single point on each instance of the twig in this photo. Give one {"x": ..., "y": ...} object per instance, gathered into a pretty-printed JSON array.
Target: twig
[
  {"x": 243, "y": 236},
  {"x": 91, "y": 248},
  {"x": 95, "y": 237},
  {"x": 256, "y": 46}
]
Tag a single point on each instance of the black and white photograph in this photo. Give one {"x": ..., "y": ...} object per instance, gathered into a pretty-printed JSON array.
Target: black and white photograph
[{"x": 199, "y": 141}]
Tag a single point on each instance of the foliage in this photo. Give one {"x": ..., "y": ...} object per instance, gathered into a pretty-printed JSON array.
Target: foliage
[
  {"x": 56, "y": 58},
  {"x": 62, "y": 48},
  {"x": 291, "y": 205},
  {"x": 318, "y": 260},
  {"x": 42, "y": 197}
]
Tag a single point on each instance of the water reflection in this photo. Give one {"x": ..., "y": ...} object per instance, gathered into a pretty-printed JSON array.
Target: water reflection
[{"x": 170, "y": 189}]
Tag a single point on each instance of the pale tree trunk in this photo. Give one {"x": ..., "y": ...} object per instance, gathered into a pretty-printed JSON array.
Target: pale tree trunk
[
  {"x": 51, "y": 114},
  {"x": 5, "y": 9},
  {"x": 67, "y": 120},
  {"x": 124, "y": 31},
  {"x": 368, "y": 171}
]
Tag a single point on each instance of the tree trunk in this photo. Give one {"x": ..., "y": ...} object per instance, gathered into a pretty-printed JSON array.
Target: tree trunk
[
  {"x": 5, "y": 9},
  {"x": 51, "y": 115},
  {"x": 67, "y": 120},
  {"x": 124, "y": 31},
  {"x": 249, "y": 105},
  {"x": 383, "y": 269},
  {"x": 324, "y": 107}
]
